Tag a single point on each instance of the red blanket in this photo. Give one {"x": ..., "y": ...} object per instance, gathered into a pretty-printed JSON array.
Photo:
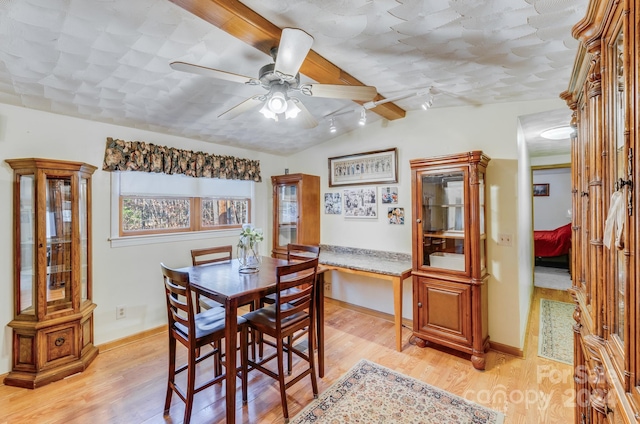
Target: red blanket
[{"x": 552, "y": 242}]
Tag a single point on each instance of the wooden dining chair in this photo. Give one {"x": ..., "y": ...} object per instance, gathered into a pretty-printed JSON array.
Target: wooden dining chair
[
  {"x": 291, "y": 314},
  {"x": 295, "y": 252},
  {"x": 302, "y": 252},
  {"x": 194, "y": 331},
  {"x": 210, "y": 255},
  {"x": 215, "y": 255}
]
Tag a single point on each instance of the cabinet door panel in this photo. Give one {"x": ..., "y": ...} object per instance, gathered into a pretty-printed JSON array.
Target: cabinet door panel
[{"x": 445, "y": 310}]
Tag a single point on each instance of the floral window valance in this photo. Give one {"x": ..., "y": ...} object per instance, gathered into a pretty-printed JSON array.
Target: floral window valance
[{"x": 123, "y": 155}]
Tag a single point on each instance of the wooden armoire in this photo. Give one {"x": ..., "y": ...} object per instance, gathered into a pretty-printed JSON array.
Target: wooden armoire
[{"x": 604, "y": 96}]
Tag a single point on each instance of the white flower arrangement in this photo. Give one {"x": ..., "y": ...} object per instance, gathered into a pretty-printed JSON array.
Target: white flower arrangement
[{"x": 249, "y": 236}]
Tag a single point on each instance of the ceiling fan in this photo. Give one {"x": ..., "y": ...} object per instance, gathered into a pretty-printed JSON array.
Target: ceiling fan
[{"x": 281, "y": 79}]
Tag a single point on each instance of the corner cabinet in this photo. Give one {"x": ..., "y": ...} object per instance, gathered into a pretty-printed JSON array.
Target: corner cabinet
[
  {"x": 53, "y": 312},
  {"x": 296, "y": 211},
  {"x": 449, "y": 253},
  {"x": 603, "y": 95}
]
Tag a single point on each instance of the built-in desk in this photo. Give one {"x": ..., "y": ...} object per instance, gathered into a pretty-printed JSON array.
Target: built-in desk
[{"x": 391, "y": 266}]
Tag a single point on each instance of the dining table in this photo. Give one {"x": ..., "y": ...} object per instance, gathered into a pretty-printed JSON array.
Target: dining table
[{"x": 224, "y": 283}]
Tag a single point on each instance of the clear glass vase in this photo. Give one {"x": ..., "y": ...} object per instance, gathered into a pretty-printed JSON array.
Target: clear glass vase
[{"x": 248, "y": 258}]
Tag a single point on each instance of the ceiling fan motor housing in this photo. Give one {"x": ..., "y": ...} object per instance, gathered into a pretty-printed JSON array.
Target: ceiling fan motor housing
[{"x": 268, "y": 77}]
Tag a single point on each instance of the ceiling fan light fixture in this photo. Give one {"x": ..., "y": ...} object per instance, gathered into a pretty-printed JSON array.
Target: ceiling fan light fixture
[
  {"x": 268, "y": 113},
  {"x": 277, "y": 102},
  {"x": 292, "y": 109}
]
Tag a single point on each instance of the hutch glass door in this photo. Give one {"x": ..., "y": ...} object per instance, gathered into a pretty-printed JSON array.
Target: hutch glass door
[
  {"x": 443, "y": 218},
  {"x": 287, "y": 214},
  {"x": 27, "y": 230},
  {"x": 59, "y": 237},
  {"x": 620, "y": 168}
]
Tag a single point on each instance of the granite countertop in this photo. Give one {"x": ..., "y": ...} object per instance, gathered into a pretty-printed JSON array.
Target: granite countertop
[{"x": 380, "y": 262}]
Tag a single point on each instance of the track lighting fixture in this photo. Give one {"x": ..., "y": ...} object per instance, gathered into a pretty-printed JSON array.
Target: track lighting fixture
[
  {"x": 428, "y": 103},
  {"x": 332, "y": 126},
  {"x": 363, "y": 117}
]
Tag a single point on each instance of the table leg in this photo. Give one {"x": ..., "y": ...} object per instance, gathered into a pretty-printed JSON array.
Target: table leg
[
  {"x": 231, "y": 348},
  {"x": 397, "y": 310},
  {"x": 320, "y": 322}
]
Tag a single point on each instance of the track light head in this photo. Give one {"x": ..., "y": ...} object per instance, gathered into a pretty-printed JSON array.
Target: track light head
[{"x": 363, "y": 117}]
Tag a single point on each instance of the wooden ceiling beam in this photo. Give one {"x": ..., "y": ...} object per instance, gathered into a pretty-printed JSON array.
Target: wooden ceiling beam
[{"x": 246, "y": 25}]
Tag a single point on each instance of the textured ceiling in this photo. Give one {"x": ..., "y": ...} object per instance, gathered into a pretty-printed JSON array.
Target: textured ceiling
[{"x": 107, "y": 60}]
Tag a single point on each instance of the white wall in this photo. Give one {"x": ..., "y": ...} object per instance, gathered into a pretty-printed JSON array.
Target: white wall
[
  {"x": 491, "y": 128},
  {"x": 550, "y": 212},
  {"x": 525, "y": 230},
  {"x": 125, "y": 275}
]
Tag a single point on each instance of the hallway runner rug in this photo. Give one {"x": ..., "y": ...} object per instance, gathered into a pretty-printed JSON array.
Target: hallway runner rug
[
  {"x": 555, "y": 340},
  {"x": 371, "y": 393}
]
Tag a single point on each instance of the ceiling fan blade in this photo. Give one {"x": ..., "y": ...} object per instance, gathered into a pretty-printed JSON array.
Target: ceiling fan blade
[
  {"x": 305, "y": 117},
  {"x": 293, "y": 48},
  {"x": 354, "y": 92},
  {"x": 251, "y": 102},
  {"x": 213, "y": 73}
]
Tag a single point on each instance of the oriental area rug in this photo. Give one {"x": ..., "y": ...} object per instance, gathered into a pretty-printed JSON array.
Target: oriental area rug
[
  {"x": 371, "y": 393},
  {"x": 555, "y": 340}
]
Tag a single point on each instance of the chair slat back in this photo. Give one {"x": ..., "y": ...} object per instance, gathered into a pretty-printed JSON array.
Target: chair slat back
[
  {"x": 302, "y": 276},
  {"x": 211, "y": 255},
  {"x": 180, "y": 308},
  {"x": 302, "y": 252}
]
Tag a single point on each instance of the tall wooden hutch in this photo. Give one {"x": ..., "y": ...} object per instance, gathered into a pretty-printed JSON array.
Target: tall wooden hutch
[
  {"x": 604, "y": 94},
  {"x": 296, "y": 211},
  {"x": 53, "y": 311},
  {"x": 449, "y": 253}
]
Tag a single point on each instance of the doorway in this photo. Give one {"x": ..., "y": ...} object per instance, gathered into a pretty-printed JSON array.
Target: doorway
[{"x": 552, "y": 226}]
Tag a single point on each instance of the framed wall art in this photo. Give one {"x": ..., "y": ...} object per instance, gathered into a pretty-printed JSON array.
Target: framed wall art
[
  {"x": 360, "y": 203},
  {"x": 380, "y": 166},
  {"x": 395, "y": 216},
  {"x": 332, "y": 203},
  {"x": 541, "y": 189},
  {"x": 389, "y": 194}
]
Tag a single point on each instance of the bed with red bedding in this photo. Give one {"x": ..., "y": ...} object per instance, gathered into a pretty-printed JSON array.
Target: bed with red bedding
[{"x": 549, "y": 243}]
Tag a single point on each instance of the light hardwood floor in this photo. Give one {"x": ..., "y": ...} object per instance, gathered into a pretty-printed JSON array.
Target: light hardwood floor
[{"x": 127, "y": 384}]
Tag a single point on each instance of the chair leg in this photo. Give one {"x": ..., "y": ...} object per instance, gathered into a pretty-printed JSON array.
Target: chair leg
[
  {"x": 312, "y": 363},
  {"x": 283, "y": 394},
  {"x": 172, "y": 373},
  {"x": 217, "y": 363},
  {"x": 244, "y": 359},
  {"x": 191, "y": 384},
  {"x": 289, "y": 355}
]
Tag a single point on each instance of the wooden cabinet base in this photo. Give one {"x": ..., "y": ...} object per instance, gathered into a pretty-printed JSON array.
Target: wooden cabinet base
[
  {"x": 47, "y": 351},
  {"x": 33, "y": 380},
  {"x": 478, "y": 359}
]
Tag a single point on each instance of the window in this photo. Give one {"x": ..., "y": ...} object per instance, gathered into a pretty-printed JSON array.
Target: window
[{"x": 156, "y": 204}]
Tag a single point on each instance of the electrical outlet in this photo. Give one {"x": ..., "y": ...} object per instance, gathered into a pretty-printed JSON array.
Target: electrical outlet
[
  {"x": 327, "y": 288},
  {"x": 121, "y": 312},
  {"x": 505, "y": 240}
]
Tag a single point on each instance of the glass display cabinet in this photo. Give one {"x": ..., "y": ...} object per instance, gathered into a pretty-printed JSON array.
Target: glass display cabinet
[
  {"x": 53, "y": 311},
  {"x": 449, "y": 253},
  {"x": 296, "y": 211},
  {"x": 603, "y": 97}
]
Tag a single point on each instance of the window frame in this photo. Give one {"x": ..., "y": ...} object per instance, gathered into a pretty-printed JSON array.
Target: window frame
[{"x": 196, "y": 231}]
